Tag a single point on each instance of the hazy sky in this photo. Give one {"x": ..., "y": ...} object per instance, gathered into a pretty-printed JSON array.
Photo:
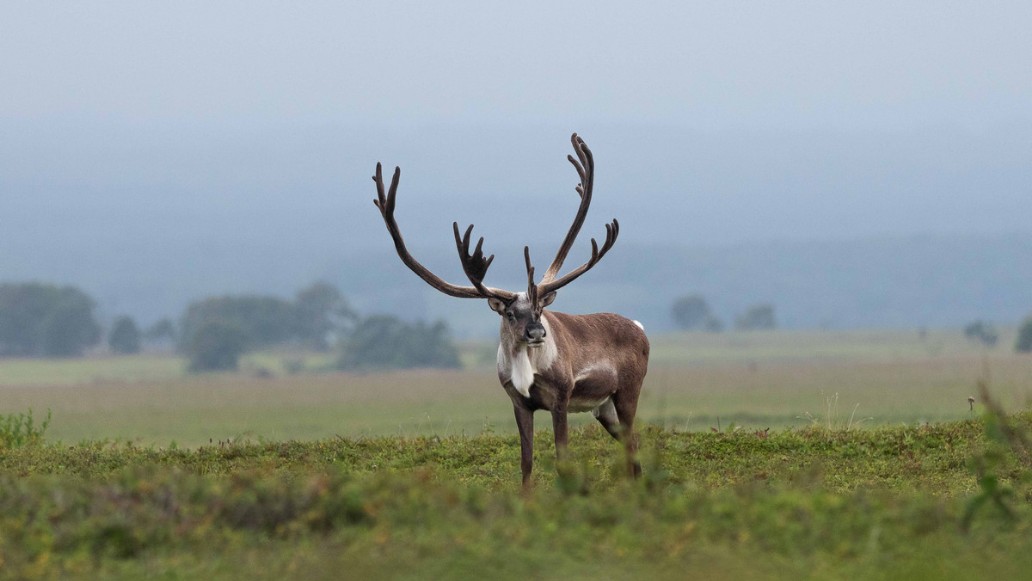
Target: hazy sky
[
  {"x": 813, "y": 64},
  {"x": 209, "y": 134}
]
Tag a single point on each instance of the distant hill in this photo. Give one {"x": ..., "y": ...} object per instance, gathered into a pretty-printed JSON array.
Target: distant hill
[
  {"x": 151, "y": 268},
  {"x": 914, "y": 282},
  {"x": 931, "y": 281}
]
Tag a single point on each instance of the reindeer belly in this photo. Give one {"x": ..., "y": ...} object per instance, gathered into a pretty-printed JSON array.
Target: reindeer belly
[
  {"x": 592, "y": 387},
  {"x": 586, "y": 404}
]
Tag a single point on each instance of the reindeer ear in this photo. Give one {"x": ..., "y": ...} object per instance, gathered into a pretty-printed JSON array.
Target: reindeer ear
[
  {"x": 547, "y": 299},
  {"x": 497, "y": 305}
]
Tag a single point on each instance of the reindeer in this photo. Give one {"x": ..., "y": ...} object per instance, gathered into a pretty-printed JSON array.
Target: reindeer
[{"x": 549, "y": 360}]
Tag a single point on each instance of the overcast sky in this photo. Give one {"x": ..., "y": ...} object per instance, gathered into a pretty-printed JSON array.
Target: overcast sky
[
  {"x": 713, "y": 123},
  {"x": 771, "y": 64}
]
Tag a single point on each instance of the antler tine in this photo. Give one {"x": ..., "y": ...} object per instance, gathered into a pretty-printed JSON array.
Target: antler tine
[
  {"x": 585, "y": 166},
  {"x": 386, "y": 202},
  {"x": 532, "y": 289},
  {"x": 612, "y": 231},
  {"x": 585, "y": 161},
  {"x": 474, "y": 264}
]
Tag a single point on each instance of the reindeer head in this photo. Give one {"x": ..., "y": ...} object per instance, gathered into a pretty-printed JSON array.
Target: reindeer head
[
  {"x": 521, "y": 316},
  {"x": 521, "y": 312}
]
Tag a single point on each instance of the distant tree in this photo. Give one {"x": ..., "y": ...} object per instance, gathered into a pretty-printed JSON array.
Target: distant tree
[
  {"x": 215, "y": 346},
  {"x": 692, "y": 313},
  {"x": 69, "y": 329},
  {"x": 46, "y": 320},
  {"x": 713, "y": 325},
  {"x": 322, "y": 314},
  {"x": 386, "y": 342},
  {"x": 982, "y": 332},
  {"x": 262, "y": 321},
  {"x": 125, "y": 336},
  {"x": 1024, "y": 342},
  {"x": 160, "y": 331},
  {"x": 756, "y": 317}
]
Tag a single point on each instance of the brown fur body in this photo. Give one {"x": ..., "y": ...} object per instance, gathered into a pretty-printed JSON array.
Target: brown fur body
[{"x": 599, "y": 365}]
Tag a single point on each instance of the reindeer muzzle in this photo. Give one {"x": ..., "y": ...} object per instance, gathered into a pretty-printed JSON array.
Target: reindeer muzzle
[{"x": 534, "y": 334}]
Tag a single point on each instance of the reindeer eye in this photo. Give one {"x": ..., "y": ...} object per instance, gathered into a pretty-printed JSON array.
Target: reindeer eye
[{"x": 512, "y": 317}]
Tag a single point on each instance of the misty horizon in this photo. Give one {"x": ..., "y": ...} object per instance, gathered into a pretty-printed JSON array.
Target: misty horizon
[{"x": 154, "y": 154}]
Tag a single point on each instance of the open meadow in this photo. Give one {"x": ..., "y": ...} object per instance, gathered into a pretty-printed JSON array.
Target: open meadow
[
  {"x": 696, "y": 382},
  {"x": 873, "y": 467}
]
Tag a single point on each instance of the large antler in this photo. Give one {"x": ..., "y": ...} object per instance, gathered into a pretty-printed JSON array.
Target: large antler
[
  {"x": 585, "y": 166},
  {"x": 475, "y": 265},
  {"x": 612, "y": 231},
  {"x": 385, "y": 202}
]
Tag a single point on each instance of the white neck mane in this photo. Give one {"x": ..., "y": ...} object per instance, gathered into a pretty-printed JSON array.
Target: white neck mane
[{"x": 519, "y": 363}]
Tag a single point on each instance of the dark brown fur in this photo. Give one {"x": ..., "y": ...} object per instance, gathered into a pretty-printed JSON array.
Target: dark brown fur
[{"x": 584, "y": 342}]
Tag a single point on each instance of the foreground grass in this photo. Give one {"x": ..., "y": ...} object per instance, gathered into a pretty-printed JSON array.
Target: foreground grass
[{"x": 813, "y": 503}]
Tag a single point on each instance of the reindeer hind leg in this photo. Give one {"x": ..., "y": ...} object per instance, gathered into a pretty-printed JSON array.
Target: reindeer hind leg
[
  {"x": 626, "y": 406},
  {"x": 606, "y": 415}
]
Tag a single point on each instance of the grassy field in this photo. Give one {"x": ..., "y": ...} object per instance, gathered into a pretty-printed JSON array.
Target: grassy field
[
  {"x": 887, "y": 503},
  {"x": 146, "y": 472},
  {"x": 696, "y": 382}
]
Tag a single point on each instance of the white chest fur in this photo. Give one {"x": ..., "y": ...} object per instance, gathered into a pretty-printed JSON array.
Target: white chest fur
[
  {"x": 522, "y": 372},
  {"x": 520, "y": 365}
]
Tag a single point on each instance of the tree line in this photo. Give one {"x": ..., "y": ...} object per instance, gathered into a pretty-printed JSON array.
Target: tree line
[
  {"x": 41, "y": 320},
  {"x": 693, "y": 313},
  {"x": 215, "y": 332},
  {"x": 46, "y": 320}
]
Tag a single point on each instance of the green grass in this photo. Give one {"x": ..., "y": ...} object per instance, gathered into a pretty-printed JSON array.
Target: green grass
[
  {"x": 814, "y": 504},
  {"x": 818, "y": 346},
  {"x": 696, "y": 382},
  {"x": 123, "y": 369},
  {"x": 672, "y": 350},
  {"x": 89, "y": 370},
  {"x": 146, "y": 472}
]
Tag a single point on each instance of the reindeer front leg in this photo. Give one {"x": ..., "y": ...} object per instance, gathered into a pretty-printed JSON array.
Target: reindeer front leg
[
  {"x": 560, "y": 427},
  {"x": 525, "y": 425}
]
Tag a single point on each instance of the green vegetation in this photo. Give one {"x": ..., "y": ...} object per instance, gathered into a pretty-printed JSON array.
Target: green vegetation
[
  {"x": 692, "y": 313},
  {"x": 1023, "y": 344},
  {"x": 811, "y": 503},
  {"x": 215, "y": 345},
  {"x": 214, "y": 332},
  {"x": 21, "y": 429},
  {"x": 982, "y": 332},
  {"x": 754, "y": 468},
  {"x": 385, "y": 342},
  {"x": 259, "y": 321},
  {"x": 757, "y": 318},
  {"x": 124, "y": 338},
  {"x": 162, "y": 331},
  {"x": 696, "y": 381},
  {"x": 46, "y": 320},
  {"x": 323, "y": 316}
]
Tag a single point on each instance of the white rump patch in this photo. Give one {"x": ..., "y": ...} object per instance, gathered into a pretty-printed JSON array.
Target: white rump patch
[{"x": 640, "y": 326}]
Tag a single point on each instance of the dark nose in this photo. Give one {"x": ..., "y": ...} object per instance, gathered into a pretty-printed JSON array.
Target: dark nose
[{"x": 535, "y": 332}]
